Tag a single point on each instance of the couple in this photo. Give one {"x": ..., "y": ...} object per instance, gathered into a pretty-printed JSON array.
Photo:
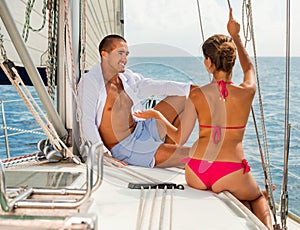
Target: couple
[{"x": 109, "y": 94}]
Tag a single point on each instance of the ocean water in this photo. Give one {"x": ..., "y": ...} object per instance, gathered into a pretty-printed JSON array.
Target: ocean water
[{"x": 271, "y": 74}]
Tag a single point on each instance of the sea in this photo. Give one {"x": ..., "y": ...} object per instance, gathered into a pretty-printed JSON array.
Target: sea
[{"x": 277, "y": 103}]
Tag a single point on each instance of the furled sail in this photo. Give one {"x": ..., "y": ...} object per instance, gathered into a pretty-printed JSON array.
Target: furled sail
[{"x": 103, "y": 17}]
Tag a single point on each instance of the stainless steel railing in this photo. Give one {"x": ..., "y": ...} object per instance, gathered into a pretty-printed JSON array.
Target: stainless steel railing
[{"x": 21, "y": 200}]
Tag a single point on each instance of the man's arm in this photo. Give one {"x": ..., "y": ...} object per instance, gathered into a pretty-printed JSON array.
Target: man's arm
[
  {"x": 87, "y": 98},
  {"x": 147, "y": 87}
]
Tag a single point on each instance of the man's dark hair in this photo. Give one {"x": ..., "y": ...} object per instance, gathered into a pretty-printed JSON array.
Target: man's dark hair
[{"x": 107, "y": 43}]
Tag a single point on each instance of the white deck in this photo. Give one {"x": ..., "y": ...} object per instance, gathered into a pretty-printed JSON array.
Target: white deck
[{"x": 117, "y": 207}]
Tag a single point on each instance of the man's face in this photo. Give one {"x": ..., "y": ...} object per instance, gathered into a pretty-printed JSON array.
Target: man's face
[{"x": 117, "y": 58}]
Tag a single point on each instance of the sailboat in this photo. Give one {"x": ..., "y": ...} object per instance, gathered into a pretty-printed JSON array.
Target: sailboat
[{"x": 54, "y": 188}]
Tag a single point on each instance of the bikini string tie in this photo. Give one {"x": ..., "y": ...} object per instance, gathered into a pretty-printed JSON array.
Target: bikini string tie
[{"x": 223, "y": 89}]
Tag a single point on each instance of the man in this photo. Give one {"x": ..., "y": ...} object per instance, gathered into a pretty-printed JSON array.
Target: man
[{"x": 109, "y": 94}]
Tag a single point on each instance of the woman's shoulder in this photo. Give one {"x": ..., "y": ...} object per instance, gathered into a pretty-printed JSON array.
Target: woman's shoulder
[{"x": 196, "y": 92}]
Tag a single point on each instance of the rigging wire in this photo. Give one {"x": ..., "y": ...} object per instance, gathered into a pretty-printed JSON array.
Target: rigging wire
[
  {"x": 200, "y": 20},
  {"x": 265, "y": 159},
  {"x": 201, "y": 29},
  {"x": 228, "y": 1},
  {"x": 287, "y": 125}
]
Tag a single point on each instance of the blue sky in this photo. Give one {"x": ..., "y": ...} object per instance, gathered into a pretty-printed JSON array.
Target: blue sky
[{"x": 174, "y": 25}]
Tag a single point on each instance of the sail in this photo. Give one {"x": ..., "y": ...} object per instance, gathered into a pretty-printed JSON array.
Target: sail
[
  {"x": 100, "y": 18},
  {"x": 36, "y": 41},
  {"x": 103, "y": 17}
]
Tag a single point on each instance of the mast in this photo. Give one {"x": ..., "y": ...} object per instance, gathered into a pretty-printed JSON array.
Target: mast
[{"x": 69, "y": 67}]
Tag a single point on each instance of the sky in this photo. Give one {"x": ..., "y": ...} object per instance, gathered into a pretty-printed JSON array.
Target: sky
[{"x": 172, "y": 27}]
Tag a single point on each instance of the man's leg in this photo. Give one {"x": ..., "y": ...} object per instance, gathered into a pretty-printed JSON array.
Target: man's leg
[
  {"x": 170, "y": 155},
  {"x": 172, "y": 108}
]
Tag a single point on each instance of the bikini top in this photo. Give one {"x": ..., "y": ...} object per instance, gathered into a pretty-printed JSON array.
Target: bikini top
[{"x": 216, "y": 134}]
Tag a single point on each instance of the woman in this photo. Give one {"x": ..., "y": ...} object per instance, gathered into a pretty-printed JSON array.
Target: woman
[{"x": 217, "y": 158}]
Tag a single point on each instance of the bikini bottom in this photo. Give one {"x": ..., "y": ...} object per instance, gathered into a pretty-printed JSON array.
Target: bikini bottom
[{"x": 211, "y": 171}]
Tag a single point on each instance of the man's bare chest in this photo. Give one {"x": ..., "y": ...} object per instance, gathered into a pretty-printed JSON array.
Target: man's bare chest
[{"x": 117, "y": 99}]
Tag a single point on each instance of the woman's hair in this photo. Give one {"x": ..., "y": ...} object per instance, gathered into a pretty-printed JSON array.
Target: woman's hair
[
  {"x": 221, "y": 50},
  {"x": 107, "y": 43}
]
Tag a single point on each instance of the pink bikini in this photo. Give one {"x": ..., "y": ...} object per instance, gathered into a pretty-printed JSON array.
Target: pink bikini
[
  {"x": 216, "y": 134},
  {"x": 211, "y": 171}
]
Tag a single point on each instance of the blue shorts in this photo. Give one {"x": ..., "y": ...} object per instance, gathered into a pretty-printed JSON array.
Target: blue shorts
[{"x": 140, "y": 147}]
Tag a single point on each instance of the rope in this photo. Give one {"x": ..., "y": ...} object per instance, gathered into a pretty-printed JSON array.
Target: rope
[
  {"x": 47, "y": 128},
  {"x": 265, "y": 158},
  {"x": 70, "y": 45},
  {"x": 16, "y": 161},
  {"x": 52, "y": 46},
  {"x": 247, "y": 31},
  {"x": 46, "y": 125},
  {"x": 73, "y": 82},
  {"x": 83, "y": 37},
  {"x": 82, "y": 64},
  {"x": 27, "y": 25},
  {"x": 20, "y": 131},
  {"x": 2, "y": 49}
]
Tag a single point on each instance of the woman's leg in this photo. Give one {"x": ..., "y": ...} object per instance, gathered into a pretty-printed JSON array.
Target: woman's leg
[{"x": 245, "y": 188}]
